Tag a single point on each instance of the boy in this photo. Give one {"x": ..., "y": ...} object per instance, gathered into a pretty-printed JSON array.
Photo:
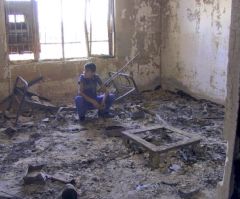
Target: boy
[{"x": 87, "y": 98}]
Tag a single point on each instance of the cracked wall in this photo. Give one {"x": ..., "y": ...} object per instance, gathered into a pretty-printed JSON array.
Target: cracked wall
[
  {"x": 137, "y": 30},
  {"x": 195, "y": 37},
  {"x": 183, "y": 45}
]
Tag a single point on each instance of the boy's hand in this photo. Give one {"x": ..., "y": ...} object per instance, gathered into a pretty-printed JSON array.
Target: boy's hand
[
  {"x": 96, "y": 105},
  {"x": 103, "y": 104}
]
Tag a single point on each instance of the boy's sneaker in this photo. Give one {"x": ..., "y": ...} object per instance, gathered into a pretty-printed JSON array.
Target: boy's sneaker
[{"x": 82, "y": 119}]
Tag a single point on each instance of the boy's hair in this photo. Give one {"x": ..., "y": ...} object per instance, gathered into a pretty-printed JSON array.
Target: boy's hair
[{"x": 90, "y": 66}]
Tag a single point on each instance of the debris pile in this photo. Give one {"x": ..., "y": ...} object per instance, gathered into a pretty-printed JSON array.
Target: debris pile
[{"x": 96, "y": 157}]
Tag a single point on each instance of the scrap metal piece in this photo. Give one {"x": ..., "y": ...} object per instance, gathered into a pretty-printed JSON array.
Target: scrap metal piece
[
  {"x": 62, "y": 109},
  {"x": 15, "y": 91}
]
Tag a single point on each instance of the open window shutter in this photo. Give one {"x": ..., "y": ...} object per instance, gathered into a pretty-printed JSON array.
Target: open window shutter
[
  {"x": 87, "y": 26},
  {"x": 22, "y": 27},
  {"x": 111, "y": 27},
  {"x": 105, "y": 38}
]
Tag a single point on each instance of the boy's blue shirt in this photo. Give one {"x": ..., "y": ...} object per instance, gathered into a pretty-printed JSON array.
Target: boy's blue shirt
[{"x": 90, "y": 85}]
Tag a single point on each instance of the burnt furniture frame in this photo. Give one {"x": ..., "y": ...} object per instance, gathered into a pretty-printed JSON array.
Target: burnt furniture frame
[
  {"x": 117, "y": 86},
  {"x": 22, "y": 95},
  {"x": 154, "y": 150}
]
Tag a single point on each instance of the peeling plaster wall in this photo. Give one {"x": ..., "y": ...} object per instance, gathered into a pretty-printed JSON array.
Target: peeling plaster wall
[
  {"x": 137, "y": 30},
  {"x": 195, "y": 37},
  {"x": 60, "y": 78},
  {"x": 183, "y": 45}
]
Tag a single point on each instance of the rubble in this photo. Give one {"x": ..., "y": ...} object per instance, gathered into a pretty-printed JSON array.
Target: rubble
[
  {"x": 175, "y": 167},
  {"x": 73, "y": 128},
  {"x": 27, "y": 125},
  {"x": 170, "y": 183},
  {"x": 35, "y": 178},
  {"x": 46, "y": 120},
  {"x": 138, "y": 115},
  {"x": 34, "y": 175},
  {"x": 5, "y": 195},
  {"x": 114, "y": 130},
  {"x": 102, "y": 166},
  {"x": 9, "y": 115},
  {"x": 23, "y": 119},
  {"x": 9, "y": 131}
]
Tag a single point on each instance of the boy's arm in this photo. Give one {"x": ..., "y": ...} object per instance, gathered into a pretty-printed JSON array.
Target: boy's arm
[
  {"x": 106, "y": 93},
  {"x": 104, "y": 89},
  {"x": 87, "y": 98}
]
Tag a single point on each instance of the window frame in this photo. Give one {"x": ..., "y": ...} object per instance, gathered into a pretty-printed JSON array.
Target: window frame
[
  {"x": 29, "y": 10},
  {"x": 37, "y": 45}
]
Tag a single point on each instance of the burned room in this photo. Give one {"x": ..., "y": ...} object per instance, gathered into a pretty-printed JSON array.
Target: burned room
[{"x": 119, "y": 99}]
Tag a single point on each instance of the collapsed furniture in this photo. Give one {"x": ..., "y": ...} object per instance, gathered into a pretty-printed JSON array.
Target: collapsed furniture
[
  {"x": 159, "y": 139},
  {"x": 23, "y": 97}
]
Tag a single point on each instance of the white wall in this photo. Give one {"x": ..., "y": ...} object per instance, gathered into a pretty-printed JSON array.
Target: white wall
[{"x": 195, "y": 37}]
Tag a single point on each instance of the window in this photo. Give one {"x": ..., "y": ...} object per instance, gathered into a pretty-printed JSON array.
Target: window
[
  {"x": 16, "y": 18},
  {"x": 21, "y": 29},
  {"x": 99, "y": 26},
  {"x": 68, "y": 28}
]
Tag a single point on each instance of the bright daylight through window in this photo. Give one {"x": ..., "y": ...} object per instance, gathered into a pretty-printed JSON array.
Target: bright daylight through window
[{"x": 59, "y": 29}]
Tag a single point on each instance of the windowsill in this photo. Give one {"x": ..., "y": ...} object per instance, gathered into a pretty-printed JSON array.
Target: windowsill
[
  {"x": 102, "y": 56},
  {"x": 20, "y": 62}
]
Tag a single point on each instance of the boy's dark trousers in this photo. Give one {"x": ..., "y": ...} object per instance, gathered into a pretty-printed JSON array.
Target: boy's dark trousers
[{"x": 83, "y": 106}]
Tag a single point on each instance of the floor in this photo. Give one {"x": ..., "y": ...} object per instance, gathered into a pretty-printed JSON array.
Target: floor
[{"x": 103, "y": 166}]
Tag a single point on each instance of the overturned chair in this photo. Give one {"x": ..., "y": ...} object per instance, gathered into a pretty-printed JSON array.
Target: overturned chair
[
  {"x": 123, "y": 85},
  {"x": 22, "y": 96}
]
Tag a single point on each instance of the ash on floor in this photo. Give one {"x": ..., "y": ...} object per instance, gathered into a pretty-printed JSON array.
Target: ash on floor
[{"x": 103, "y": 166}]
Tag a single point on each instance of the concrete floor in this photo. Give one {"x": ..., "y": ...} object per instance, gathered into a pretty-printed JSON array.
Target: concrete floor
[{"x": 103, "y": 166}]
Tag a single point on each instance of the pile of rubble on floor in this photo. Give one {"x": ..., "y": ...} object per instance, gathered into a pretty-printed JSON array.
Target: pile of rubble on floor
[{"x": 104, "y": 164}]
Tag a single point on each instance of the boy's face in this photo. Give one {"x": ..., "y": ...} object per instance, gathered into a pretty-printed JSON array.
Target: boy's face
[{"x": 88, "y": 73}]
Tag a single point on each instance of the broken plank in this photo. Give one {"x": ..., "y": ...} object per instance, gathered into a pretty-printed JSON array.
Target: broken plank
[
  {"x": 178, "y": 145},
  {"x": 135, "y": 131},
  {"x": 140, "y": 141},
  {"x": 178, "y": 131}
]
